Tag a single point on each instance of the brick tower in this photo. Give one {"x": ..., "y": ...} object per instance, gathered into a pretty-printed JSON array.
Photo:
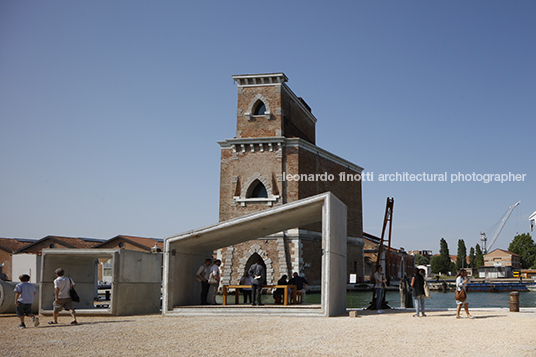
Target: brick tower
[{"x": 273, "y": 160}]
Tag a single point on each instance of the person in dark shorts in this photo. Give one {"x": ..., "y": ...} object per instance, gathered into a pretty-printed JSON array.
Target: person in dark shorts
[
  {"x": 24, "y": 298},
  {"x": 62, "y": 297}
]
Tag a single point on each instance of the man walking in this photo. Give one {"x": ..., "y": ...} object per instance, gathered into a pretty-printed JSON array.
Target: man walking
[
  {"x": 62, "y": 297},
  {"x": 24, "y": 298},
  {"x": 258, "y": 276}
]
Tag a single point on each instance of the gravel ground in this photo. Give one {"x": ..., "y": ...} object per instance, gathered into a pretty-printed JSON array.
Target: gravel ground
[{"x": 395, "y": 333}]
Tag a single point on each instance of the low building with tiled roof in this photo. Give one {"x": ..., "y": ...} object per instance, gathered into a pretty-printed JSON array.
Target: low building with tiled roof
[
  {"x": 8, "y": 246},
  {"x": 27, "y": 259},
  {"x": 501, "y": 257},
  {"x": 58, "y": 242},
  {"x": 499, "y": 263},
  {"x": 133, "y": 243}
]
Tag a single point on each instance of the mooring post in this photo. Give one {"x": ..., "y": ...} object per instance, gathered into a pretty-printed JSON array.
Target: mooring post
[{"x": 514, "y": 301}]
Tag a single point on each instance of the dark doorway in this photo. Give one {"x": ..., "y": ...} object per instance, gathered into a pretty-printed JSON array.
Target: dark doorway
[{"x": 252, "y": 260}]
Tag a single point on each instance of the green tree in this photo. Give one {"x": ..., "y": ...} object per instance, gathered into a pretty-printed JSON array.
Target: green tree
[
  {"x": 434, "y": 264},
  {"x": 479, "y": 256},
  {"x": 452, "y": 266},
  {"x": 472, "y": 258},
  {"x": 421, "y": 260},
  {"x": 524, "y": 246},
  {"x": 461, "y": 259},
  {"x": 442, "y": 263}
]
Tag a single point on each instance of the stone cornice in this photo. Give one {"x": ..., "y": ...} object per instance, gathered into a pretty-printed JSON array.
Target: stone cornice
[
  {"x": 227, "y": 143},
  {"x": 246, "y": 144},
  {"x": 302, "y": 144},
  {"x": 263, "y": 79},
  {"x": 254, "y": 144}
]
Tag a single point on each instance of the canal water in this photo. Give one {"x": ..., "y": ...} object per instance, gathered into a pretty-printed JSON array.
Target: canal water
[{"x": 437, "y": 300}]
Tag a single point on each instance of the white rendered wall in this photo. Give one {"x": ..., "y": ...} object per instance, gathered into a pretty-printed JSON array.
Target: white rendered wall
[{"x": 26, "y": 264}]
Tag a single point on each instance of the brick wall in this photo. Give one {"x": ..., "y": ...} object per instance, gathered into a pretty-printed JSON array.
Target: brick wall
[
  {"x": 5, "y": 258},
  {"x": 249, "y": 157}
]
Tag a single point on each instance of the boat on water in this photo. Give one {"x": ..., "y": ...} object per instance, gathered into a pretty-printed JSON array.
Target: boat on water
[
  {"x": 531, "y": 287},
  {"x": 494, "y": 286}
]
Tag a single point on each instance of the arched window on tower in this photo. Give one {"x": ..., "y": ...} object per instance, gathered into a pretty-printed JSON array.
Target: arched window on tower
[
  {"x": 258, "y": 190},
  {"x": 260, "y": 108}
]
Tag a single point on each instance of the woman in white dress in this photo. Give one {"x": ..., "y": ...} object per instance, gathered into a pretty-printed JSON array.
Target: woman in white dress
[{"x": 461, "y": 284}]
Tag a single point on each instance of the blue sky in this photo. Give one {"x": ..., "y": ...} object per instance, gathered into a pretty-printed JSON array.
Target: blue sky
[{"x": 110, "y": 110}]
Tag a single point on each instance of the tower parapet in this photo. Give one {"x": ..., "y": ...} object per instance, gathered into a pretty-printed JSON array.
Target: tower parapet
[{"x": 267, "y": 107}]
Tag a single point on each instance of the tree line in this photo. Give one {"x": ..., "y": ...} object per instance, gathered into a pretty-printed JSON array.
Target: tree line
[{"x": 522, "y": 244}]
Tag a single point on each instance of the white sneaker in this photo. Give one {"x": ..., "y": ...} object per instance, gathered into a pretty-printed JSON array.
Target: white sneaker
[{"x": 380, "y": 312}]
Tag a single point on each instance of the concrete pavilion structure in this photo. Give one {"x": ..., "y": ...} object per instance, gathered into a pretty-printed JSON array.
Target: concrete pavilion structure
[
  {"x": 135, "y": 287},
  {"x": 185, "y": 253}
]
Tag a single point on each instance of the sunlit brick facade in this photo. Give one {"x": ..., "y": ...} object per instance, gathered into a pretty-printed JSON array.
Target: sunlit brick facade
[{"x": 274, "y": 142}]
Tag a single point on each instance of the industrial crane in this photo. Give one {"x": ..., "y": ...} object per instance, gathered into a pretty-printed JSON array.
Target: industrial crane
[{"x": 483, "y": 237}]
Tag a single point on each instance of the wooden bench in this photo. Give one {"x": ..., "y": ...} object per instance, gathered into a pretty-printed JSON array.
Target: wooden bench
[{"x": 237, "y": 295}]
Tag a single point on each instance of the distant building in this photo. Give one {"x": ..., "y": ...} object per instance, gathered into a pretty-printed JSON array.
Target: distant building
[
  {"x": 527, "y": 273},
  {"x": 141, "y": 244},
  {"x": 454, "y": 259},
  {"x": 58, "y": 242},
  {"x": 427, "y": 270},
  {"x": 400, "y": 262},
  {"x": 501, "y": 257},
  {"x": 27, "y": 259},
  {"x": 499, "y": 263},
  {"x": 425, "y": 253},
  {"x": 8, "y": 246}
]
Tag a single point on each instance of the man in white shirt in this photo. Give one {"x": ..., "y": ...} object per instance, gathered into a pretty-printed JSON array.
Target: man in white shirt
[
  {"x": 216, "y": 273},
  {"x": 62, "y": 297},
  {"x": 202, "y": 276}
]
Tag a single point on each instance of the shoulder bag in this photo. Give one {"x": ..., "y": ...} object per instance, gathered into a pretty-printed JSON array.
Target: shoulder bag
[
  {"x": 73, "y": 293},
  {"x": 212, "y": 279},
  {"x": 460, "y": 295},
  {"x": 426, "y": 290}
]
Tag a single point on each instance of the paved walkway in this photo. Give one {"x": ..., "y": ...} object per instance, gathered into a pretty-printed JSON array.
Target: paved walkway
[{"x": 493, "y": 332}]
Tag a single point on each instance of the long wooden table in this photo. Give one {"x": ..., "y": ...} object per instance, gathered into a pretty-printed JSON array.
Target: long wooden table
[{"x": 237, "y": 295}]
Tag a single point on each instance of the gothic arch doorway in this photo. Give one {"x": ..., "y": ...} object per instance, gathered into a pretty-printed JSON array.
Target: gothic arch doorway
[{"x": 253, "y": 259}]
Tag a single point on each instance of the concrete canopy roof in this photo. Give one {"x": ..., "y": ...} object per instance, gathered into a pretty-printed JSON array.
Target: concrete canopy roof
[
  {"x": 252, "y": 226},
  {"x": 184, "y": 253}
]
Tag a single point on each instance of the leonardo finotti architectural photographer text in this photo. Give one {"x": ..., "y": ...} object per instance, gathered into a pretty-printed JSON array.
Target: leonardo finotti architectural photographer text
[{"x": 407, "y": 177}]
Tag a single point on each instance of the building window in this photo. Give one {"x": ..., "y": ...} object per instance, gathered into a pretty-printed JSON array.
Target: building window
[
  {"x": 256, "y": 190},
  {"x": 107, "y": 267},
  {"x": 260, "y": 108},
  {"x": 259, "y": 191}
]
